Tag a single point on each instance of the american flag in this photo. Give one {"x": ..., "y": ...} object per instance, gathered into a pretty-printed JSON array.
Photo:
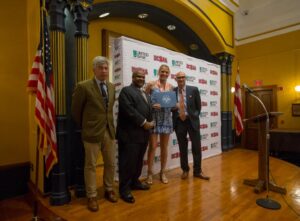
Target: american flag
[
  {"x": 238, "y": 112},
  {"x": 40, "y": 82}
]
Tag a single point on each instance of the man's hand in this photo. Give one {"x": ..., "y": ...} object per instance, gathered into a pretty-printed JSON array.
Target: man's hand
[
  {"x": 156, "y": 106},
  {"x": 148, "y": 125}
]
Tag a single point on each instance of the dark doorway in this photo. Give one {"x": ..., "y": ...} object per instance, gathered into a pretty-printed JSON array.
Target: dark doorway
[{"x": 268, "y": 95}]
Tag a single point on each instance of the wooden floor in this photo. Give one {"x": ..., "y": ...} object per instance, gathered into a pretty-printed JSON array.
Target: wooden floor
[{"x": 224, "y": 197}]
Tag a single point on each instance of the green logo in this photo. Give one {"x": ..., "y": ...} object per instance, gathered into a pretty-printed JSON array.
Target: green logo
[
  {"x": 213, "y": 103},
  {"x": 213, "y": 124},
  {"x": 202, "y": 69},
  {"x": 213, "y": 83}
]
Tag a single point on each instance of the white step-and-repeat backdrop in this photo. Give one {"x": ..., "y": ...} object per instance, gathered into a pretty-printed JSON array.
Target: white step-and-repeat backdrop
[{"x": 130, "y": 54}]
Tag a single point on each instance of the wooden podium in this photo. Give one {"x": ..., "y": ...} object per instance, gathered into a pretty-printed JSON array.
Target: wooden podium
[{"x": 263, "y": 156}]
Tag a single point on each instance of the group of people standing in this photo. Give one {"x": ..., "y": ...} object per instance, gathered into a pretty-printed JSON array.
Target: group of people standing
[{"x": 140, "y": 123}]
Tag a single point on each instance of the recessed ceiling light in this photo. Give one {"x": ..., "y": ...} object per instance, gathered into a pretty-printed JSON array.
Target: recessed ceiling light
[
  {"x": 171, "y": 27},
  {"x": 104, "y": 15},
  {"x": 194, "y": 47},
  {"x": 143, "y": 15}
]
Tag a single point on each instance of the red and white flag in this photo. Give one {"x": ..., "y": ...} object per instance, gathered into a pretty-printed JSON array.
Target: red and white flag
[
  {"x": 238, "y": 112},
  {"x": 40, "y": 83}
]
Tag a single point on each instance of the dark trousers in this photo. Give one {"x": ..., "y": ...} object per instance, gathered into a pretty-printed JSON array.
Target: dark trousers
[
  {"x": 131, "y": 157},
  {"x": 182, "y": 129}
]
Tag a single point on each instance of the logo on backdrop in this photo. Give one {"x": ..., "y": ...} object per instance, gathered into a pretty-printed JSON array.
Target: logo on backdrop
[
  {"x": 156, "y": 159},
  {"x": 160, "y": 59},
  {"x": 117, "y": 55},
  {"x": 204, "y": 136},
  {"x": 214, "y": 113},
  {"x": 191, "y": 67},
  {"x": 177, "y": 63},
  {"x": 212, "y": 83},
  {"x": 117, "y": 84},
  {"x": 175, "y": 142},
  {"x": 155, "y": 72},
  {"x": 215, "y": 134},
  {"x": 117, "y": 77},
  {"x": 203, "y": 114},
  {"x": 203, "y": 103},
  {"x": 190, "y": 78},
  {"x": 203, "y": 92},
  {"x": 202, "y": 70},
  {"x": 140, "y": 54},
  {"x": 117, "y": 70},
  {"x": 214, "y": 93},
  {"x": 213, "y": 124},
  {"x": 204, "y": 148},
  {"x": 213, "y": 72},
  {"x": 202, "y": 81},
  {"x": 214, "y": 145},
  {"x": 213, "y": 103},
  {"x": 175, "y": 155},
  {"x": 203, "y": 126}
]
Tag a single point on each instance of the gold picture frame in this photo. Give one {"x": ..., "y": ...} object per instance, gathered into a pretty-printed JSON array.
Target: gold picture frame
[{"x": 296, "y": 110}]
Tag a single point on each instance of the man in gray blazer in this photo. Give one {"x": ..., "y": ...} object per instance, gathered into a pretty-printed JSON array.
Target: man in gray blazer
[
  {"x": 92, "y": 110},
  {"x": 186, "y": 121}
]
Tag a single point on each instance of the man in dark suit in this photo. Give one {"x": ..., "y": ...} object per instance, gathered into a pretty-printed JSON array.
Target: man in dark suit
[
  {"x": 92, "y": 110},
  {"x": 186, "y": 121},
  {"x": 134, "y": 122}
]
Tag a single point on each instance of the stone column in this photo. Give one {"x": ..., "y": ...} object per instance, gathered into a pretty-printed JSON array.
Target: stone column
[
  {"x": 80, "y": 10},
  {"x": 59, "y": 191}
]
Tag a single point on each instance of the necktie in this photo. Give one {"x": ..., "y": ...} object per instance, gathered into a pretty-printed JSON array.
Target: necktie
[
  {"x": 104, "y": 94},
  {"x": 144, "y": 95},
  {"x": 182, "y": 115}
]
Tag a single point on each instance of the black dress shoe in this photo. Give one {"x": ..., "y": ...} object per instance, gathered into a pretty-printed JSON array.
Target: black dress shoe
[
  {"x": 140, "y": 186},
  {"x": 201, "y": 176},
  {"x": 128, "y": 198}
]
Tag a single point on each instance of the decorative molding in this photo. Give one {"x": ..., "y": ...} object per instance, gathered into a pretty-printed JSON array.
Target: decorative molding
[
  {"x": 80, "y": 10},
  {"x": 268, "y": 34},
  {"x": 230, "y": 5},
  {"x": 231, "y": 44}
]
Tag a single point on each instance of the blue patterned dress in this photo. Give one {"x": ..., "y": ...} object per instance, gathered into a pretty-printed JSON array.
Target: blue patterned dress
[{"x": 162, "y": 118}]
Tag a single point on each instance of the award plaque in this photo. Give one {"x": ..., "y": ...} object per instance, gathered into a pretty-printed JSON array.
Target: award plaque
[{"x": 165, "y": 99}]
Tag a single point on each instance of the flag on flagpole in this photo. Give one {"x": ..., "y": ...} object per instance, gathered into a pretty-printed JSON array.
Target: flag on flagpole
[
  {"x": 238, "y": 112},
  {"x": 40, "y": 83}
]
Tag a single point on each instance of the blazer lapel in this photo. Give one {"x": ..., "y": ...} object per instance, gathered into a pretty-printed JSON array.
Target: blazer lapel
[
  {"x": 110, "y": 89},
  {"x": 140, "y": 94},
  {"x": 188, "y": 95},
  {"x": 97, "y": 92}
]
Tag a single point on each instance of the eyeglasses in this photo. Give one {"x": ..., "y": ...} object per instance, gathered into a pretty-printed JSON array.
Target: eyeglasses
[{"x": 181, "y": 77}]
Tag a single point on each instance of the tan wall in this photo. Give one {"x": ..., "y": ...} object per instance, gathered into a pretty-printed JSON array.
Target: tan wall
[
  {"x": 275, "y": 61},
  {"x": 13, "y": 78}
]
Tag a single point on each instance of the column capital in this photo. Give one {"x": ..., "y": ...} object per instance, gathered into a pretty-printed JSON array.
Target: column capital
[
  {"x": 229, "y": 64},
  {"x": 223, "y": 58},
  {"x": 80, "y": 10},
  {"x": 57, "y": 15}
]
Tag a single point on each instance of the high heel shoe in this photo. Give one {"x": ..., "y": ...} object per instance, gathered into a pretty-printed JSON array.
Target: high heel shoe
[
  {"x": 149, "y": 179},
  {"x": 163, "y": 178}
]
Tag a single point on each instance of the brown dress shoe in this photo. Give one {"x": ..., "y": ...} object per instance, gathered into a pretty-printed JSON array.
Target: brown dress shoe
[
  {"x": 185, "y": 175},
  {"x": 93, "y": 204},
  {"x": 111, "y": 196},
  {"x": 201, "y": 176}
]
